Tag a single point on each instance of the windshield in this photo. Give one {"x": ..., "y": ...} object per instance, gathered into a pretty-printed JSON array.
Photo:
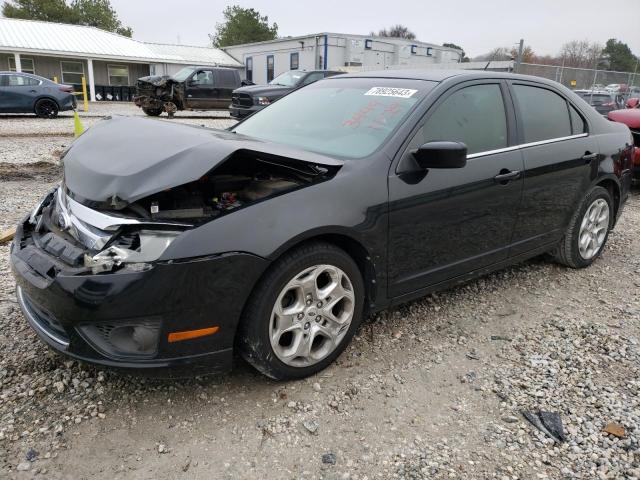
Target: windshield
[
  {"x": 182, "y": 75},
  {"x": 345, "y": 117},
  {"x": 287, "y": 79}
]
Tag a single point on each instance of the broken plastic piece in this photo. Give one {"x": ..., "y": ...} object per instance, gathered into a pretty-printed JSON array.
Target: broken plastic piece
[{"x": 548, "y": 423}]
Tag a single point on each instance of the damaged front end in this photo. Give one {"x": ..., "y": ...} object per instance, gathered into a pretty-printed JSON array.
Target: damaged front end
[
  {"x": 109, "y": 215},
  {"x": 155, "y": 94},
  {"x": 94, "y": 273}
]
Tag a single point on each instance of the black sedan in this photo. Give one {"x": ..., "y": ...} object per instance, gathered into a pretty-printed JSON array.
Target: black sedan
[
  {"x": 252, "y": 98},
  {"x": 26, "y": 93},
  {"x": 176, "y": 245}
]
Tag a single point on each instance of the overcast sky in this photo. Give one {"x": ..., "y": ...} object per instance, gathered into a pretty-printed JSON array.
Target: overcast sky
[{"x": 476, "y": 25}]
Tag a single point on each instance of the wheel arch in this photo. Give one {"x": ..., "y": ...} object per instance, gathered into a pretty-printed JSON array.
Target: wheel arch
[{"x": 612, "y": 185}]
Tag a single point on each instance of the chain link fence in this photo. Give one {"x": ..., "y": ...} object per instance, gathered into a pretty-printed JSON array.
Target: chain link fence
[{"x": 580, "y": 78}]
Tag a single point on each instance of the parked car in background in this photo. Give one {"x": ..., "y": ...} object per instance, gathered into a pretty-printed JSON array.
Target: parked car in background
[
  {"x": 27, "y": 93},
  {"x": 603, "y": 101},
  {"x": 617, "y": 88},
  {"x": 631, "y": 118},
  {"x": 192, "y": 88},
  {"x": 250, "y": 99},
  {"x": 170, "y": 245}
]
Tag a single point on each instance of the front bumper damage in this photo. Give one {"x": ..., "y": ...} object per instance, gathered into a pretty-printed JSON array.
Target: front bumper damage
[{"x": 123, "y": 317}]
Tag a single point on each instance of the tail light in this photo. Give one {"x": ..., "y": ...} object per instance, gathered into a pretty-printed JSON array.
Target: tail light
[
  {"x": 66, "y": 88},
  {"x": 610, "y": 104}
]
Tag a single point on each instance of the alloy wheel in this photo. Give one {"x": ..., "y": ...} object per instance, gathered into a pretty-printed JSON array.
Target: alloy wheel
[
  {"x": 593, "y": 229},
  {"x": 311, "y": 315}
]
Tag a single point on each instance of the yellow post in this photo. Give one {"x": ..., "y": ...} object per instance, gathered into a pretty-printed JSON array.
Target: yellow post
[
  {"x": 55, "y": 79},
  {"x": 84, "y": 94}
]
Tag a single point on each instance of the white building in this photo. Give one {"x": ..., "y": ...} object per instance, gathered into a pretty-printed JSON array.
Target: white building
[
  {"x": 332, "y": 51},
  {"x": 107, "y": 60}
]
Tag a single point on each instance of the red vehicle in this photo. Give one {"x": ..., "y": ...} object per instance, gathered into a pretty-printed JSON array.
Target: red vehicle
[{"x": 630, "y": 116}]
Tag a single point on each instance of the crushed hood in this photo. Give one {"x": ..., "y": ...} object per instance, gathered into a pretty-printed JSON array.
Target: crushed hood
[{"x": 129, "y": 158}]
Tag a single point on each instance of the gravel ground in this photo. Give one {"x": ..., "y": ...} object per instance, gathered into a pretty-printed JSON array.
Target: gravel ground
[
  {"x": 432, "y": 389},
  {"x": 12, "y": 125}
]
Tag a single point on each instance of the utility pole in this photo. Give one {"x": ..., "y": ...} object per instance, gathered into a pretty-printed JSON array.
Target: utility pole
[{"x": 519, "y": 58}]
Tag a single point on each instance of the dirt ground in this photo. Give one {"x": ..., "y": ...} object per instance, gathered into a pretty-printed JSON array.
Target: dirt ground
[{"x": 432, "y": 389}]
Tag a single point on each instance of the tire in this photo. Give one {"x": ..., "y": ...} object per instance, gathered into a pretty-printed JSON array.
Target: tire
[
  {"x": 569, "y": 250},
  {"x": 46, "y": 108},
  {"x": 322, "y": 331},
  {"x": 152, "y": 112}
]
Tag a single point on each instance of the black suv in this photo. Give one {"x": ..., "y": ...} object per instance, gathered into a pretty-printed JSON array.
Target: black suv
[
  {"x": 250, "y": 99},
  {"x": 192, "y": 88}
]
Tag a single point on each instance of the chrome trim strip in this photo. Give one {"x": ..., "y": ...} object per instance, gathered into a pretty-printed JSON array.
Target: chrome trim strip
[
  {"x": 526, "y": 145},
  {"x": 102, "y": 221},
  {"x": 92, "y": 228},
  {"x": 31, "y": 318}
]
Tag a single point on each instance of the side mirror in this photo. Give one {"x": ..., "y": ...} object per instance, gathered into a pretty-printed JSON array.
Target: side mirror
[{"x": 441, "y": 154}]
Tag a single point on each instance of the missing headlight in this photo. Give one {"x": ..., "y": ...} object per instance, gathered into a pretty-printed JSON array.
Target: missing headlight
[{"x": 147, "y": 246}]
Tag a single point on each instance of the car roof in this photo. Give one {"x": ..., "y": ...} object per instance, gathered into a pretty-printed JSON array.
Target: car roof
[
  {"x": 444, "y": 74},
  {"x": 32, "y": 75}
]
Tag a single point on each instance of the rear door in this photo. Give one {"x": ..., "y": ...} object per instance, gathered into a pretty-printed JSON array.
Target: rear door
[
  {"x": 200, "y": 90},
  {"x": 453, "y": 221},
  {"x": 226, "y": 81},
  {"x": 19, "y": 93},
  {"x": 559, "y": 159}
]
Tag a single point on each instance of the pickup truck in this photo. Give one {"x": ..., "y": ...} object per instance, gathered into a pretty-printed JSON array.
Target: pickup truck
[
  {"x": 192, "y": 88},
  {"x": 250, "y": 99}
]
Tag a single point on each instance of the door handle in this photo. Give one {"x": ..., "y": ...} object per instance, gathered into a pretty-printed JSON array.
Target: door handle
[
  {"x": 506, "y": 176},
  {"x": 33, "y": 91},
  {"x": 588, "y": 156}
]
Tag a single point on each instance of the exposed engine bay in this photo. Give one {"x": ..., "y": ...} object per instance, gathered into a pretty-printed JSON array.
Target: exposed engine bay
[
  {"x": 103, "y": 237},
  {"x": 245, "y": 178}
]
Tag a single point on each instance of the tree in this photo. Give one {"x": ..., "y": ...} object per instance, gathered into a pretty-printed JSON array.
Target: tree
[
  {"x": 396, "y": 31},
  {"x": 99, "y": 13},
  {"x": 463, "y": 57},
  {"x": 528, "y": 56},
  {"x": 620, "y": 56},
  {"x": 243, "y": 25},
  {"x": 95, "y": 13},
  {"x": 45, "y": 10},
  {"x": 580, "y": 53}
]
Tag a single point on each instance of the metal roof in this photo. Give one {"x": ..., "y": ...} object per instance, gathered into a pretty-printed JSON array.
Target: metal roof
[
  {"x": 195, "y": 55},
  {"x": 49, "y": 38}
]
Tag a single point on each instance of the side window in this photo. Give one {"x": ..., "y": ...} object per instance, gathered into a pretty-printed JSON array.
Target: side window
[
  {"x": 294, "y": 61},
  {"x": 226, "y": 79},
  {"x": 270, "y": 68},
  {"x": 249, "y": 68},
  {"x": 313, "y": 77},
  {"x": 577, "y": 123},
  {"x": 203, "y": 78},
  {"x": 544, "y": 114},
  {"x": 474, "y": 115},
  {"x": 20, "y": 81}
]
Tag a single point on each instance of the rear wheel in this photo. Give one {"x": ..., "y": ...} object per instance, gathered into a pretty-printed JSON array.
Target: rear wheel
[
  {"x": 46, "y": 108},
  {"x": 152, "y": 112},
  {"x": 588, "y": 230},
  {"x": 303, "y": 313}
]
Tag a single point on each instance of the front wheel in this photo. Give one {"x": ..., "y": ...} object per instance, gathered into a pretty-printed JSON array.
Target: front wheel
[
  {"x": 588, "y": 230},
  {"x": 303, "y": 313}
]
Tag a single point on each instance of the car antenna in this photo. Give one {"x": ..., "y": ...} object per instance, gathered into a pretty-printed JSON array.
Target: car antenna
[{"x": 487, "y": 65}]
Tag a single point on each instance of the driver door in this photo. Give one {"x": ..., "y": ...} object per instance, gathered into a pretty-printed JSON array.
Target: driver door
[
  {"x": 201, "y": 91},
  {"x": 444, "y": 223}
]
